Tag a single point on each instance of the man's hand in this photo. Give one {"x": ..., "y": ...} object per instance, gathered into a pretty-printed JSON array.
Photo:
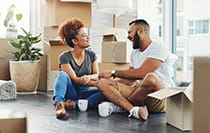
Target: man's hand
[{"x": 105, "y": 75}]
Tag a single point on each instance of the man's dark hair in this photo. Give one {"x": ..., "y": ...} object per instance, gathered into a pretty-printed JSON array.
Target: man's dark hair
[{"x": 141, "y": 22}]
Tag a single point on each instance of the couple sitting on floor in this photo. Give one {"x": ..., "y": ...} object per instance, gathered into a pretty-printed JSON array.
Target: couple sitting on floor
[{"x": 150, "y": 70}]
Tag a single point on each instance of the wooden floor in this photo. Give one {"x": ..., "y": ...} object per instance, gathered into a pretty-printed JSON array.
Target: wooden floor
[{"x": 41, "y": 118}]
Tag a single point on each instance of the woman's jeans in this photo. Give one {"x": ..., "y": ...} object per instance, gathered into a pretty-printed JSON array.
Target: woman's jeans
[{"x": 65, "y": 89}]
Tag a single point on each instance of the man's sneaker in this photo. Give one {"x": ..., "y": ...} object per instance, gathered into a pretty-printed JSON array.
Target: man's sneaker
[
  {"x": 60, "y": 110},
  {"x": 69, "y": 104},
  {"x": 139, "y": 112},
  {"x": 107, "y": 108}
]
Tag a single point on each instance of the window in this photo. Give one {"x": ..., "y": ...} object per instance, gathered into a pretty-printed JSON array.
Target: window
[
  {"x": 160, "y": 31},
  {"x": 20, "y": 7},
  {"x": 190, "y": 28},
  {"x": 198, "y": 27},
  {"x": 152, "y": 11},
  {"x": 195, "y": 37},
  {"x": 201, "y": 26}
]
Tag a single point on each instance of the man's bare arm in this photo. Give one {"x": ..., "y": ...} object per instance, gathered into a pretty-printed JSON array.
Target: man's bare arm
[{"x": 149, "y": 65}]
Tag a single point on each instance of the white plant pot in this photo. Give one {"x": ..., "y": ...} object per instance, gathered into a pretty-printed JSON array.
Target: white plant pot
[
  {"x": 25, "y": 74},
  {"x": 11, "y": 33}
]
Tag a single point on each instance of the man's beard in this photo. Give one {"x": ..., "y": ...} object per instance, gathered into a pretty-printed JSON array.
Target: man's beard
[{"x": 136, "y": 43}]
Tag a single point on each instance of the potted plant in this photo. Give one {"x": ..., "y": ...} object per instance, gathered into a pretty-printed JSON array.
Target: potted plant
[
  {"x": 25, "y": 68},
  {"x": 10, "y": 22}
]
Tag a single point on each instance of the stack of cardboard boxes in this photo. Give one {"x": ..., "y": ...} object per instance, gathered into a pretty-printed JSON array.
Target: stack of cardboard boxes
[
  {"x": 52, "y": 49},
  {"x": 116, "y": 50}
]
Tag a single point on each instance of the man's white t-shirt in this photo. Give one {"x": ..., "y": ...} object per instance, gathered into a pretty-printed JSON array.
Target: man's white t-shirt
[{"x": 156, "y": 51}]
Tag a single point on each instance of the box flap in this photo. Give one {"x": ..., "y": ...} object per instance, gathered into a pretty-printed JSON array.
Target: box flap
[
  {"x": 109, "y": 38},
  {"x": 119, "y": 33},
  {"x": 166, "y": 92},
  {"x": 8, "y": 114},
  {"x": 189, "y": 92},
  {"x": 56, "y": 42}
]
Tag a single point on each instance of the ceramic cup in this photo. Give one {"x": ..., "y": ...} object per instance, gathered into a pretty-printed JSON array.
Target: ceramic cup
[
  {"x": 103, "y": 109},
  {"x": 83, "y": 104}
]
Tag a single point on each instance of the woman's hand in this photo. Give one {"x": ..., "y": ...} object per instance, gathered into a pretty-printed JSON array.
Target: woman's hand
[
  {"x": 93, "y": 77},
  {"x": 84, "y": 79}
]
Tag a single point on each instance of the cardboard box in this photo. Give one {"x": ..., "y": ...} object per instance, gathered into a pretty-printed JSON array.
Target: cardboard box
[
  {"x": 4, "y": 68},
  {"x": 179, "y": 106},
  {"x": 51, "y": 80},
  {"x": 115, "y": 46},
  {"x": 109, "y": 38},
  {"x": 5, "y": 47},
  {"x": 53, "y": 49},
  {"x": 112, "y": 66},
  {"x": 43, "y": 74},
  {"x": 12, "y": 122},
  {"x": 114, "y": 34},
  {"x": 57, "y": 12},
  {"x": 5, "y": 56},
  {"x": 116, "y": 52},
  {"x": 50, "y": 33},
  {"x": 201, "y": 106}
]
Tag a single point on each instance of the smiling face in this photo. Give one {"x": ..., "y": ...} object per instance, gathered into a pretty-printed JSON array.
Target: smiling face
[
  {"x": 82, "y": 39},
  {"x": 133, "y": 36}
]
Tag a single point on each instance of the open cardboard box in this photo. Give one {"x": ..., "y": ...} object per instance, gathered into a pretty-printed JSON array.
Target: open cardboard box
[
  {"x": 179, "y": 107},
  {"x": 53, "y": 49},
  {"x": 114, "y": 34},
  {"x": 115, "y": 46}
]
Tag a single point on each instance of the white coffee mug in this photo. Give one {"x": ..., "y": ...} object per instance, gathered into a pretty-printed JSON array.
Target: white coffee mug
[
  {"x": 83, "y": 104},
  {"x": 103, "y": 109}
]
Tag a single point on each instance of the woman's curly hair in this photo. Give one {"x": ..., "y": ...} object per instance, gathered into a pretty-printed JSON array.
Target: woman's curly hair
[{"x": 69, "y": 29}]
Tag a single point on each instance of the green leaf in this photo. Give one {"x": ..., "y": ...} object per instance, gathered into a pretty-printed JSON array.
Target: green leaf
[
  {"x": 24, "y": 45},
  {"x": 12, "y": 7},
  {"x": 37, "y": 49},
  {"x": 27, "y": 33},
  {"x": 36, "y": 37},
  {"x": 14, "y": 44},
  {"x": 35, "y": 41},
  {"x": 21, "y": 37},
  {"x": 8, "y": 18},
  {"x": 19, "y": 16}
]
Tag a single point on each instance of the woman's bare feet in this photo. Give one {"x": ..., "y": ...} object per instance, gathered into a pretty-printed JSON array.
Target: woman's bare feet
[
  {"x": 69, "y": 104},
  {"x": 60, "y": 110}
]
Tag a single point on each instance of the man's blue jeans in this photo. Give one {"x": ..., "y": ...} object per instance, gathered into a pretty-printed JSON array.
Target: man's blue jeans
[{"x": 65, "y": 89}]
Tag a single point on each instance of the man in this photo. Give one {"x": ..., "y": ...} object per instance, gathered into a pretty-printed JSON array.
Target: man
[{"x": 150, "y": 70}]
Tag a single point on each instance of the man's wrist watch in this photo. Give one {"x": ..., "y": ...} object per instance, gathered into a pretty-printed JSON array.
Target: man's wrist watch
[{"x": 113, "y": 73}]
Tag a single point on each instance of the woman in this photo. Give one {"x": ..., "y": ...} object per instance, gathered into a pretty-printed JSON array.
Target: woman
[{"x": 79, "y": 70}]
